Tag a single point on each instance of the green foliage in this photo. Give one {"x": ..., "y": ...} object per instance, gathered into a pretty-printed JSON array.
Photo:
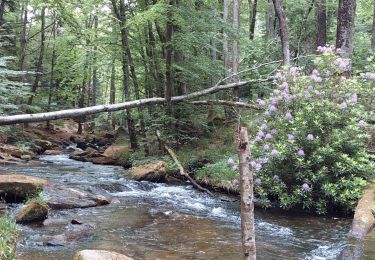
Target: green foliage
[
  {"x": 310, "y": 148},
  {"x": 217, "y": 172},
  {"x": 8, "y": 236}
]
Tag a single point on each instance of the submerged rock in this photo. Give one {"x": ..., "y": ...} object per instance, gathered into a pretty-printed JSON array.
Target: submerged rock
[
  {"x": 99, "y": 255},
  {"x": 32, "y": 212},
  {"x": 154, "y": 172},
  {"x": 16, "y": 188},
  {"x": 69, "y": 198},
  {"x": 15, "y": 151}
]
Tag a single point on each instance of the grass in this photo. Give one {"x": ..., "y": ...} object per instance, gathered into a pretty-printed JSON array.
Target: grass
[{"x": 8, "y": 237}]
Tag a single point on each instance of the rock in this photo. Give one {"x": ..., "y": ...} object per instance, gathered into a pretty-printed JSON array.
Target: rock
[
  {"x": 32, "y": 212},
  {"x": 113, "y": 187},
  {"x": 99, "y": 255},
  {"x": 103, "y": 160},
  {"x": 154, "y": 172},
  {"x": 52, "y": 152},
  {"x": 43, "y": 143},
  {"x": 16, "y": 188},
  {"x": 364, "y": 221},
  {"x": 26, "y": 157},
  {"x": 112, "y": 150},
  {"x": 68, "y": 198},
  {"x": 14, "y": 151}
]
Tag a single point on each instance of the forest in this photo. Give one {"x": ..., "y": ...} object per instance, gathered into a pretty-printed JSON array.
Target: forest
[{"x": 151, "y": 129}]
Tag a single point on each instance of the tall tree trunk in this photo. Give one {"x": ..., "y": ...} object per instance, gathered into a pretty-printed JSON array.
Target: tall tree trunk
[
  {"x": 225, "y": 39},
  {"x": 235, "y": 47},
  {"x": 53, "y": 60},
  {"x": 321, "y": 18},
  {"x": 373, "y": 32},
  {"x": 270, "y": 21},
  {"x": 39, "y": 65},
  {"x": 168, "y": 61},
  {"x": 154, "y": 60},
  {"x": 95, "y": 68},
  {"x": 279, "y": 10},
  {"x": 253, "y": 4},
  {"x": 2, "y": 11},
  {"x": 120, "y": 14},
  {"x": 247, "y": 197},
  {"x": 345, "y": 27},
  {"x": 112, "y": 91},
  {"x": 23, "y": 41}
]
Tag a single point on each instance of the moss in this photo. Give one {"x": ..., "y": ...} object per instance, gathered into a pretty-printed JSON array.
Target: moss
[{"x": 8, "y": 237}]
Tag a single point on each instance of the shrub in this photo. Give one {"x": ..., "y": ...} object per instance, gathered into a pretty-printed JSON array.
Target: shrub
[
  {"x": 8, "y": 234},
  {"x": 310, "y": 148}
]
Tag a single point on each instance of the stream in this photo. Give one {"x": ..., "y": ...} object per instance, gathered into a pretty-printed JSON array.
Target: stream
[{"x": 159, "y": 221}]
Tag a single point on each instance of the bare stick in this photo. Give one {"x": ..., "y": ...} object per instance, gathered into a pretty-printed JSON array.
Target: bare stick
[{"x": 181, "y": 169}]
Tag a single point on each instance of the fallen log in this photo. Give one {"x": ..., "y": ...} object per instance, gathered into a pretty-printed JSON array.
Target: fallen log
[
  {"x": 72, "y": 113},
  {"x": 180, "y": 167},
  {"x": 226, "y": 103}
]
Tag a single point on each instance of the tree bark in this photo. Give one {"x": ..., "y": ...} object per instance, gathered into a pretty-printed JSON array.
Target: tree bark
[
  {"x": 95, "y": 68},
  {"x": 247, "y": 197},
  {"x": 321, "y": 18},
  {"x": 112, "y": 91},
  {"x": 73, "y": 113},
  {"x": 23, "y": 41},
  {"x": 235, "y": 47},
  {"x": 279, "y": 10},
  {"x": 253, "y": 4},
  {"x": 345, "y": 27},
  {"x": 39, "y": 65},
  {"x": 270, "y": 21},
  {"x": 373, "y": 31},
  {"x": 120, "y": 14},
  {"x": 168, "y": 61},
  {"x": 225, "y": 39},
  {"x": 53, "y": 61}
]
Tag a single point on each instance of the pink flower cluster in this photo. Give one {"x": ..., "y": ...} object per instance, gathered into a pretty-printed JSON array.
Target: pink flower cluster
[{"x": 368, "y": 75}]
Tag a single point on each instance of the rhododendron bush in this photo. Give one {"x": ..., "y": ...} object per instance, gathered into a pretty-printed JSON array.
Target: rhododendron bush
[{"x": 309, "y": 148}]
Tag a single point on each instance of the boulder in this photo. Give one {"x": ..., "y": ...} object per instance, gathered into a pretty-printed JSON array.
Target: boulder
[
  {"x": 52, "y": 152},
  {"x": 33, "y": 211},
  {"x": 154, "y": 172},
  {"x": 69, "y": 198},
  {"x": 99, "y": 255},
  {"x": 364, "y": 221},
  {"x": 16, "y": 188},
  {"x": 43, "y": 143},
  {"x": 14, "y": 151},
  {"x": 26, "y": 157},
  {"x": 113, "y": 150}
]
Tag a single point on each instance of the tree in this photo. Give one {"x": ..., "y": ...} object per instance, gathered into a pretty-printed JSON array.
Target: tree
[
  {"x": 373, "y": 31},
  {"x": 253, "y": 4},
  {"x": 321, "y": 18},
  {"x": 345, "y": 27},
  {"x": 279, "y": 10},
  {"x": 235, "y": 47}
]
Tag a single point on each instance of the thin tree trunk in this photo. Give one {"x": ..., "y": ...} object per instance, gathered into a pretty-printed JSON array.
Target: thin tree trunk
[
  {"x": 270, "y": 18},
  {"x": 235, "y": 47},
  {"x": 23, "y": 41},
  {"x": 253, "y": 4},
  {"x": 95, "y": 68},
  {"x": 39, "y": 65},
  {"x": 112, "y": 91},
  {"x": 345, "y": 27},
  {"x": 321, "y": 17},
  {"x": 247, "y": 197},
  {"x": 373, "y": 32},
  {"x": 279, "y": 10},
  {"x": 225, "y": 39},
  {"x": 120, "y": 14},
  {"x": 2, "y": 11},
  {"x": 168, "y": 61},
  {"x": 53, "y": 60}
]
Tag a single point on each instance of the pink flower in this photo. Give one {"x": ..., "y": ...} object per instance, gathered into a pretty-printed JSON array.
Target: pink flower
[
  {"x": 272, "y": 108},
  {"x": 343, "y": 105},
  {"x": 258, "y": 166},
  {"x": 305, "y": 186},
  {"x": 354, "y": 98},
  {"x": 273, "y": 131},
  {"x": 268, "y": 136},
  {"x": 266, "y": 147},
  {"x": 362, "y": 123},
  {"x": 230, "y": 162},
  {"x": 274, "y": 152},
  {"x": 261, "y": 102},
  {"x": 258, "y": 181},
  {"x": 301, "y": 152},
  {"x": 260, "y": 134},
  {"x": 276, "y": 178},
  {"x": 290, "y": 137},
  {"x": 310, "y": 137},
  {"x": 288, "y": 116},
  {"x": 253, "y": 164},
  {"x": 263, "y": 126},
  {"x": 285, "y": 85}
]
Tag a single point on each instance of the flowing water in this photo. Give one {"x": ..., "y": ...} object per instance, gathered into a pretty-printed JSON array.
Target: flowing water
[{"x": 159, "y": 221}]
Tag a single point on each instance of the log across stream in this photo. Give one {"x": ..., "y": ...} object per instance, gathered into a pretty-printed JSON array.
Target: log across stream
[{"x": 158, "y": 221}]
